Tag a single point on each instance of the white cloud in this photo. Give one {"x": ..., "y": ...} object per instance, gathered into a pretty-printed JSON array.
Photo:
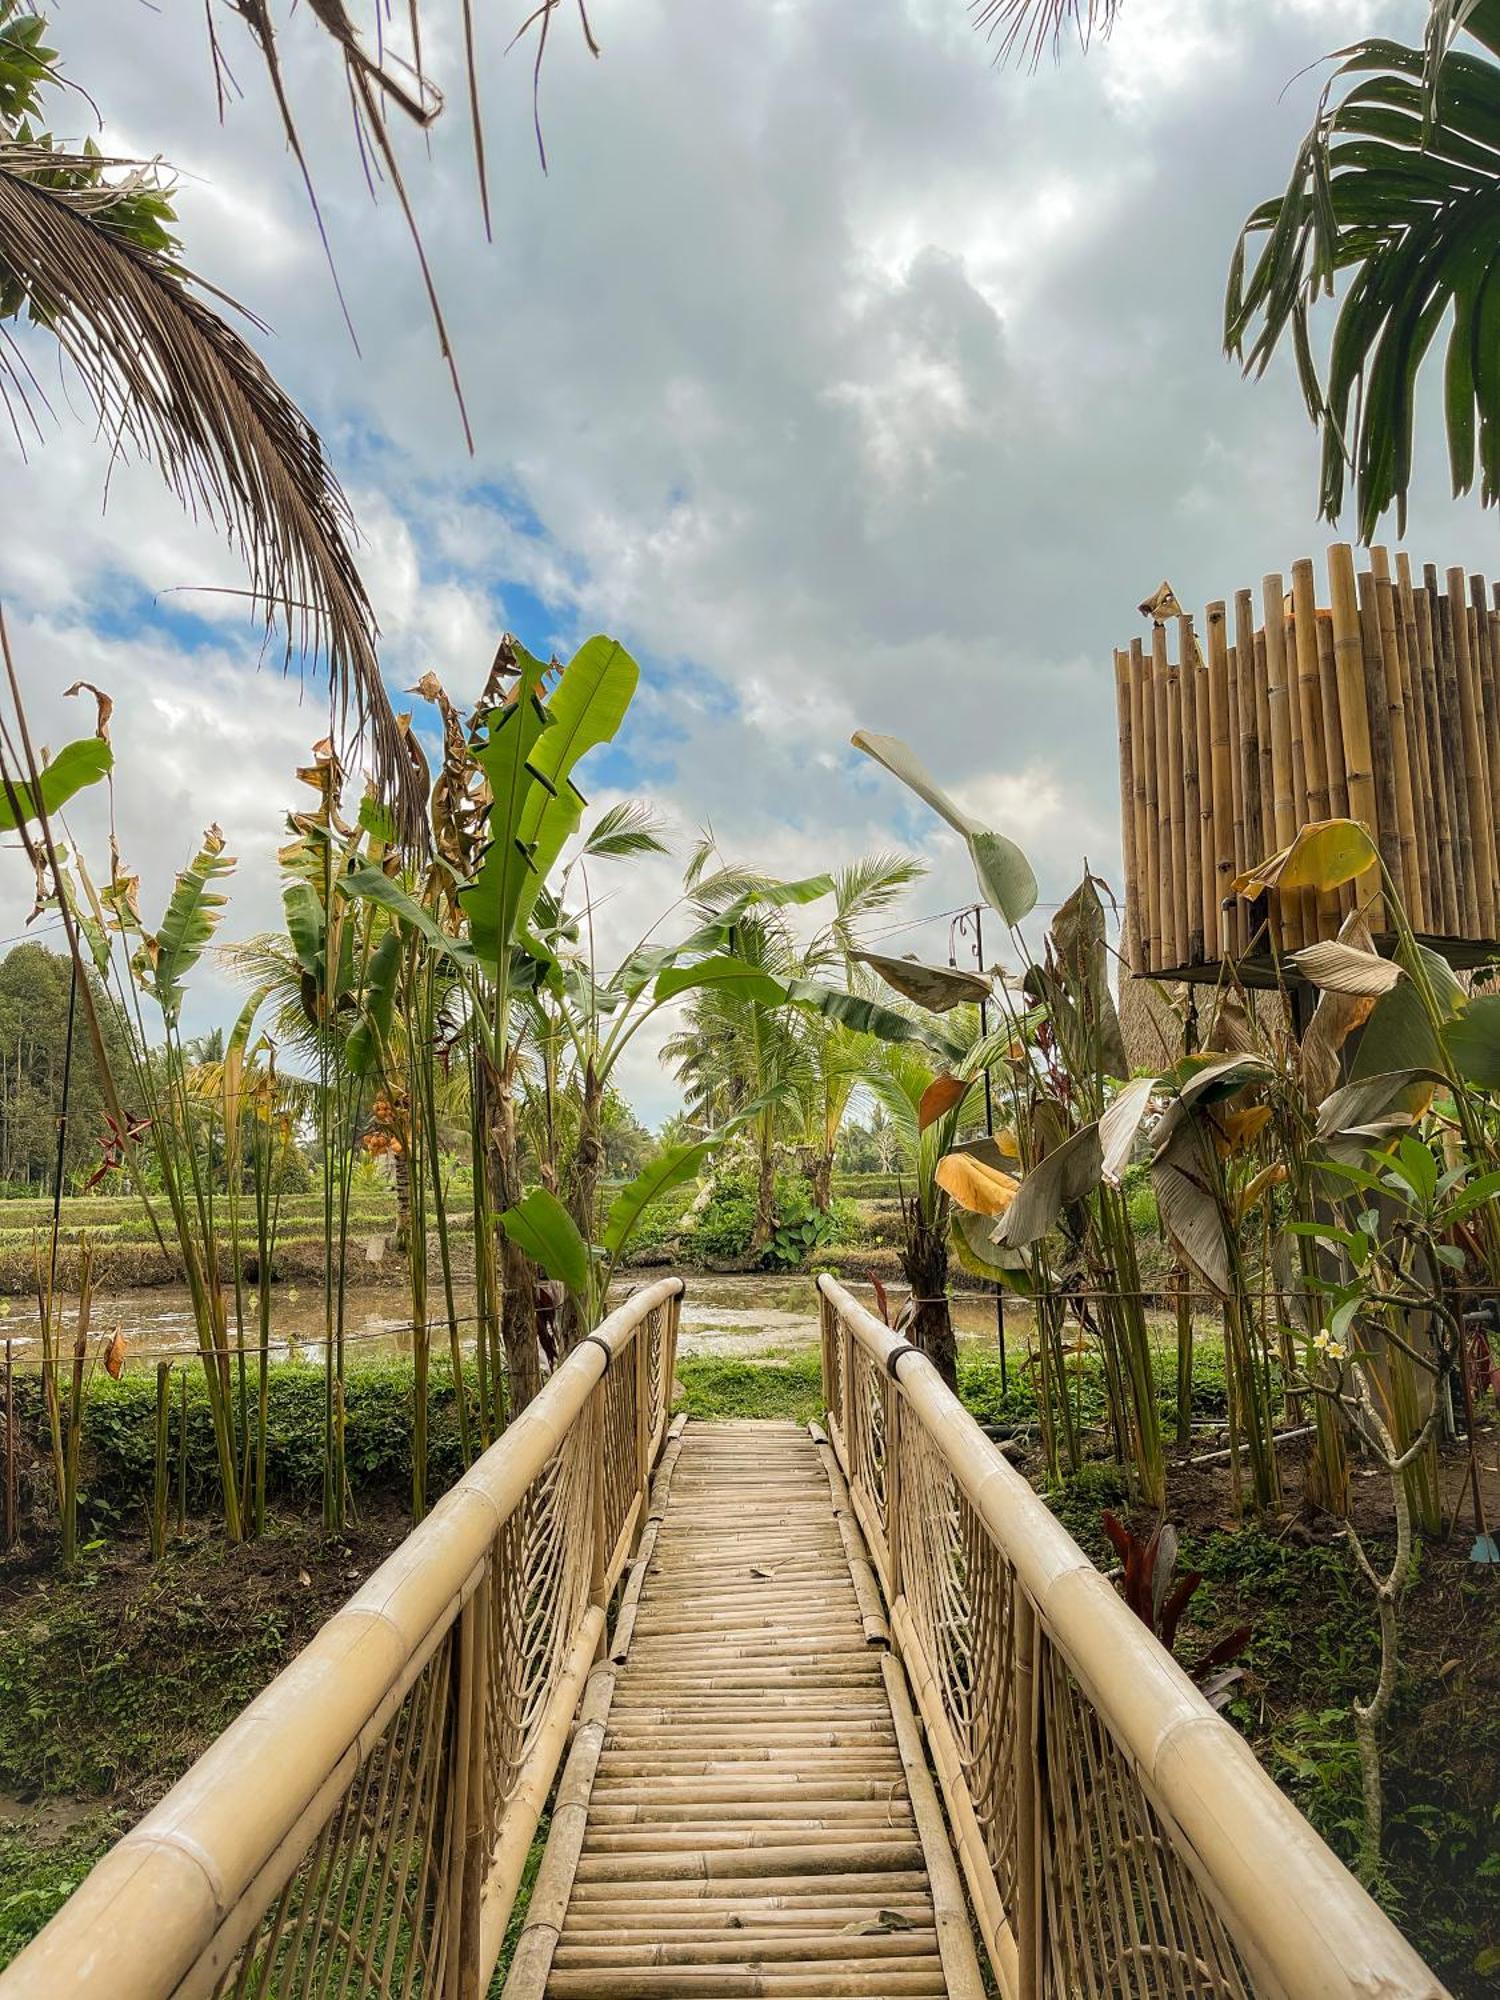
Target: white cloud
[{"x": 851, "y": 380}]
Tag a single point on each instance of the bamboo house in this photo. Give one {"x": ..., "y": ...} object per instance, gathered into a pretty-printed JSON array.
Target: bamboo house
[{"x": 1376, "y": 698}]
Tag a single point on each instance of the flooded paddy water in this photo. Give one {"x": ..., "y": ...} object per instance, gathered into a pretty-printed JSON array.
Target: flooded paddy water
[{"x": 747, "y": 1316}]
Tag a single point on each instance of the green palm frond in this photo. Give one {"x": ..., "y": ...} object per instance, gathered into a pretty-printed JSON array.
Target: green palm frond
[
  {"x": 1026, "y": 28},
  {"x": 1391, "y": 203},
  {"x": 630, "y": 828}
]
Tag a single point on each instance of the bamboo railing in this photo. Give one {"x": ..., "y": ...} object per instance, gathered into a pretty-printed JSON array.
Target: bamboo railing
[
  {"x": 1117, "y": 1836},
  {"x": 1381, "y": 705},
  {"x": 360, "y": 1830}
]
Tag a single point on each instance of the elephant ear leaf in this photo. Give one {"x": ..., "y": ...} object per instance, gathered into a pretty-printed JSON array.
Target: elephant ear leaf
[
  {"x": 75, "y": 765},
  {"x": 1002, "y": 870},
  {"x": 543, "y": 1228},
  {"x": 192, "y": 916},
  {"x": 1473, "y": 1042}
]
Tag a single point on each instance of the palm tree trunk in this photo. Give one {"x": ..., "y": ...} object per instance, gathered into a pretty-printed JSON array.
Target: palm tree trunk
[
  {"x": 583, "y": 1193},
  {"x": 765, "y": 1195},
  {"x": 924, "y": 1259},
  {"x": 821, "y": 1180}
]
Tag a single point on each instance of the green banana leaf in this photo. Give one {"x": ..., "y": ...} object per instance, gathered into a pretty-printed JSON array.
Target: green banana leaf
[
  {"x": 543, "y": 1228},
  {"x": 75, "y": 765}
]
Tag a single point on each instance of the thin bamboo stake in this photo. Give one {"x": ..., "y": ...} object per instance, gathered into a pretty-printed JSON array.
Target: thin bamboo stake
[
  {"x": 1133, "y": 958},
  {"x": 1140, "y": 673},
  {"x": 1481, "y": 813},
  {"x": 1450, "y": 704},
  {"x": 1382, "y": 750},
  {"x": 1221, "y": 764},
  {"x": 1265, "y": 781},
  {"x": 1416, "y": 610},
  {"x": 1489, "y": 686},
  {"x": 1175, "y": 821},
  {"x": 1279, "y": 702},
  {"x": 1319, "y": 914},
  {"x": 1353, "y": 707},
  {"x": 1170, "y": 954},
  {"x": 1138, "y": 795},
  {"x": 1248, "y": 745},
  {"x": 1413, "y": 735},
  {"x": 1237, "y": 852},
  {"x": 1192, "y": 797}
]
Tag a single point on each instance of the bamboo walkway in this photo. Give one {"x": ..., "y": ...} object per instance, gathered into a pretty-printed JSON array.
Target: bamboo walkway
[{"x": 746, "y": 1808}]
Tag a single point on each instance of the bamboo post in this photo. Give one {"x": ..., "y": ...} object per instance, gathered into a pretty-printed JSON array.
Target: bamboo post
[
  {"x": 1320, "y": 913},
  {"x": 1450, "y": 714},
  {"x": 1127, "y": 827},
  {"x": 1249, "y": 745},
  {"x": 1140, "y": 673},
  {"x": 1489, "y": 688},
  {"x": 1414, "y": 736},
  {"x": 1382, "y": 750},
  {"x": 1265, "y": 785},
  {"x": 1192, "y": 794},
  {"x": 1208, "y": 874},
  {"x": 1353, "y": 705},
  {"x": 1481, "y": 813},
  {"x": 1417, "y": 613},
  {"x": 160, "y": 1482},
  {"x": 1030, "y": 1904},
  {"x": 1236, "y": 911},
  {"x": 1279, "y": 703},
  {"x": 182, "y": 1456},
  {"x": 10, "y": 1449},
  {"x": 461, "y": 1974},
  {"x": 1175, "y": 809},
  {"x": 1168, "y": 816},
  {"x": 1333, "y": 748},
  {"x": 1142, "y": 845},
  {"x": 1221, "y": 763}
]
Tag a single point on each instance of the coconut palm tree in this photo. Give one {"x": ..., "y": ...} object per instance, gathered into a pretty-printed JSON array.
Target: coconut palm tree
[
  {"x": 1391, "y": 206},
  {"x": 87, "y": 254}
]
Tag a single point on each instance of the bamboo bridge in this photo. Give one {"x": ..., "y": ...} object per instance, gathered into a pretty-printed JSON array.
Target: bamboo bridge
[{"x": 837, "y": 1711}]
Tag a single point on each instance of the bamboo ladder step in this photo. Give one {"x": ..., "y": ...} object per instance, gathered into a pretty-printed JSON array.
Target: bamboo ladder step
[{"x": 738, "y": 1814}]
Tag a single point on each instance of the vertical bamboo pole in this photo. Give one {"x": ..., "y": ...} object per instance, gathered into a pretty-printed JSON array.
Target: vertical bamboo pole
[
  {"x": 1127, "y": 814},
  {"x": 1166, "y": 827},
  {"x": 1409, "y": 736},
  {"x": 1319, "y": 913},
  {"x": 1169, "y": 732},
  {"x": 1333, "y": 747},
  {"x": 1138, "y": 767},
  {"x": 1481, "y": 814},
  {"x": 1382, "y": 750},
  {"x": 1450, "y": 705},
  {"x": 1237, "y": 858},
  {"x": 1279, "y": 699},
  {"x": 1248, "y": 747},
  {"x": 1416, "y": 612},
  {"x": 1192, "y": 794},
  {"x": 1208, "y": 874},
  {"x": 1489, "y": 688},
  {"x": 10, "y": 1449},
  {"x": 1265, "y": 784},
  {"x": 1353, "y": 709},
  {"x": 1223, "y": 782},
  {"x": 1030, "y": 1903},
  {"x": 1142, "y": 673}
]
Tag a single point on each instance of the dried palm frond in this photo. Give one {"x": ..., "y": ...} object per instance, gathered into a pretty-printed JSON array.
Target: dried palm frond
[
  {"x": 166, "y": 372},
  {"x": 1025, "y": 27}
]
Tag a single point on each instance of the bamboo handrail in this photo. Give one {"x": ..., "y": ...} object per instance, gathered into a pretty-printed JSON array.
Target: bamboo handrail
[
  {"x": 1116, "y": 1834},
  {"x": 361, "y": 1828}
]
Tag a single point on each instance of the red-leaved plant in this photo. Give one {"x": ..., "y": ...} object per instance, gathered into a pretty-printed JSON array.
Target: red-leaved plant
[{"x": 1159, "y": 1599}]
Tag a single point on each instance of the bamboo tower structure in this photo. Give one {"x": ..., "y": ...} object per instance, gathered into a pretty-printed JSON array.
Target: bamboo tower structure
[{"x": 1375, "y": 698}]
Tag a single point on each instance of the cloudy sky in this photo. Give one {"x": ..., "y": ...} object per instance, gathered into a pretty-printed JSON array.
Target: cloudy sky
[{"x": 848, "y": 380}]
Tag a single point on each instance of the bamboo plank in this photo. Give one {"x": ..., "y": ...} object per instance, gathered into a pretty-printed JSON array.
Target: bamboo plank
[
  {"x": 1192, "y": 799},
  {"x": 1176, "y": 834},
  {"x": 1152, "y": 820},
  {"x": 1382, "y": 750},
  {"x": 1133, "y": 884},
  {"x": 1417, "y": 611},
  {"x": 1221, "y": 766},
  {"x": 1251, "y": 849},
  {"x": 1280, "y": 702},
  {"x": 1396, "y": 640},
  {"x": 1481, "y": 813}
]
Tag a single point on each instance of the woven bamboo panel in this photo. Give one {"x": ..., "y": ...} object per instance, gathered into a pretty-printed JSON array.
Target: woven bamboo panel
[
  {"x": 1126, "y": 1919},
  {"x": 1379, "y": 703},
  {"x": 365, "y": 1914}
]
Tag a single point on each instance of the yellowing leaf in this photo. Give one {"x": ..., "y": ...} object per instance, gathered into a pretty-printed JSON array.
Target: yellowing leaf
[
  {"x": 1326, "y": 854},
  {"x": 980, "y": 1189},
  {"x": 1264, "y": 1181},
  {"x": 1234, "y": 1130},
  {"x": 939, "y": 1098},
  {"x": 114, "y": 1355}
]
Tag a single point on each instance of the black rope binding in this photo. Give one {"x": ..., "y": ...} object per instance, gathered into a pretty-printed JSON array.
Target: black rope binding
[
  {"x": 902, "y": 1347},
  {"x": 593, "y": 1340}
]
